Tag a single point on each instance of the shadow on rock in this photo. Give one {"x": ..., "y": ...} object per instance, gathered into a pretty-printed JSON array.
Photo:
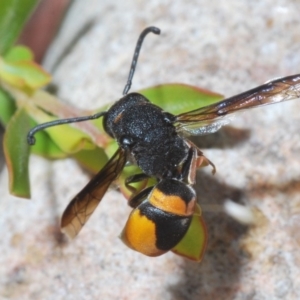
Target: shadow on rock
[
  {"x": 226, "y": 137},
  {"x": 217, "y": 276}
]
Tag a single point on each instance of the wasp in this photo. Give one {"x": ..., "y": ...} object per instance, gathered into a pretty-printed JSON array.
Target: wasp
[{"x": 155, "y": 140}]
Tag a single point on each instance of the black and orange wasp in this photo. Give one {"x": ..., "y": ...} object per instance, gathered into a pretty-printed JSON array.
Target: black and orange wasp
[{"x": 156, "y": 141}]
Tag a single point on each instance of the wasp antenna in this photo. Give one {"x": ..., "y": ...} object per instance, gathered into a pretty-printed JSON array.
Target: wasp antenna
[
  {"x": 136, "y": 53},
  {"x": 34, "y": 130}
]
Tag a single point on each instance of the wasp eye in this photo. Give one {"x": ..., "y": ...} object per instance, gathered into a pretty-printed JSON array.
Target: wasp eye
[{"x": 126, "y": 141}]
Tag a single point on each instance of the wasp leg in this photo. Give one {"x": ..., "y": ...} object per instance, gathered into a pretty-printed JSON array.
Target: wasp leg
[
  {"x": 195, "y": 160},
  {"x": 203, "y": 161},
  {"x": 137, "y": 195},
  {"x": 137, "y": 199},
  {"x": 133, "y": 179},
  {"x": 186, "y": 167}
]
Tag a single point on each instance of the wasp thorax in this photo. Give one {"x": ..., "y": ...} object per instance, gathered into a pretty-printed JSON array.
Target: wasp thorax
[{"x": 148, "y": 133}]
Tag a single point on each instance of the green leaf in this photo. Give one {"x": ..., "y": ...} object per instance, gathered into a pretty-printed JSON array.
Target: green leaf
[
  {"x": 19, "y": 53},
  {"x": 45, "y": 147},
  {"x": 7, "y": 107},
  {"x": 93, "y": 160},
  {"x": 194, "y": 242},
  {"x": 25, "y": 75},
  {"x": 13, "y": 15},
  {"x": 69, "y": 139},
  {"x": 177, "y": 98},
  {"x": 16, "y": 151}
]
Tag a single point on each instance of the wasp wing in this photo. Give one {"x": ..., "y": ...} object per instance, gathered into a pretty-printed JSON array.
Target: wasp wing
[
  {"x": 85, "y": 202},
  {"x": 210, "y": 118}
]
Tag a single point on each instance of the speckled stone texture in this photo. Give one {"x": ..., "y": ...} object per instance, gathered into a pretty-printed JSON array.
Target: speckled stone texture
[{"x": 225, "y": 46}]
